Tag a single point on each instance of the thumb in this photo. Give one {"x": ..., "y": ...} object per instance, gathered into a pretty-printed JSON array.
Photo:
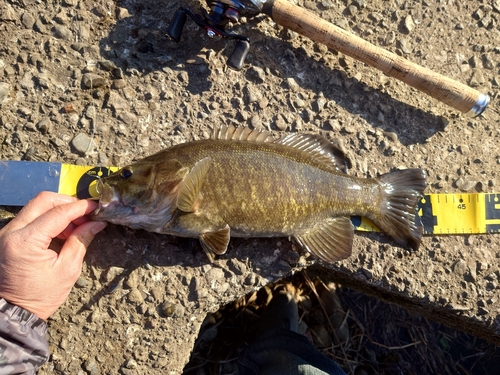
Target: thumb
[{"x": 75, "y": 246}]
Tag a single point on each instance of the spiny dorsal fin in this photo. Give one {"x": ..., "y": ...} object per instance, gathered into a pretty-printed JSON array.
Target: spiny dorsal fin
[
  {"x": 240, "y": 133},
  {"x": 317, "y": 146},
  {"x": 330, "y": 239},
  {"x": 215, "y": 242},
  {"x": 188, "y": 197}
]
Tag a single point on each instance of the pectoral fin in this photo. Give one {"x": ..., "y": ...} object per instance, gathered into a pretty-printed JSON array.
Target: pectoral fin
[
  {"x": 215, "y": 243},
  {"x": 330, "y": 239},
  {"x": 188, "y": 197}
]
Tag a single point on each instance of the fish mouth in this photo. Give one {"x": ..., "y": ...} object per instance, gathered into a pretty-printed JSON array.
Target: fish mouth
[{"x": 107, "y": 195}]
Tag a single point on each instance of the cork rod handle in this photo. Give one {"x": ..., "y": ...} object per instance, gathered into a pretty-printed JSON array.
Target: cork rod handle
[{"x": 453, "y": 93}]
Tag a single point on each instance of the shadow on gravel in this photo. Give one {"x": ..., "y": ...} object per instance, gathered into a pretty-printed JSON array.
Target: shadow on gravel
[{"x": 139, "y": 44}]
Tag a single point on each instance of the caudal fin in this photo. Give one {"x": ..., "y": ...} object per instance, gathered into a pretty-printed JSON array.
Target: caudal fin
[{"x": 401, "y": 192}]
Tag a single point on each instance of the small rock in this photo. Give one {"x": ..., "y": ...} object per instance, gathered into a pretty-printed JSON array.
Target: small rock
[
  {"x": 252, "y": 95},
  {"x": 135, "y": 297},
  {"x": 91, "y": 80},
  {"x": 128, "y": 118},
  {"x": 408, "y": 24},
  {"x": 257, "y": 74},
  {"x": 44, "y": 126},
  {"x": 122, "y": 13},
  {"x": 460, "y": 267},
  {"x": 255, "y": 122},
  {"x": 119, "y": 84},
  {"x": 112, "y": 273},
  {"x": 131, "y": 364},
  {"x": 477, "y": 78},
  {"x": 292, "y": 85},
  {"x": 91, "y": 367},
  {"x": 281, "y": 123},
  {"x": 404, "y": 44},
  {"x": 62, "y": 32},
  {"x": 28, "y": 20},
  {"x": 183, "y": 77},
  {"x": 82, "y": 282},
  {"x": 4, "y": 91},
  {"x": 464, "y": 184},
  {"x": 82, "y": 143},
  {"x": 319, "y": 104},
  {"x": 352, "y": 10},
  {"x": 359, "y": 3},
  {"x": 172, "y": 310}
]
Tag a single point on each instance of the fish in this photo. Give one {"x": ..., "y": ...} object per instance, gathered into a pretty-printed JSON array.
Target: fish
[{"x": 244, "y": 183}]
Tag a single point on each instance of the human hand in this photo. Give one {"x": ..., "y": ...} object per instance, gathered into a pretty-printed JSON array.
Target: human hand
[{"x": 32, "y": 274}]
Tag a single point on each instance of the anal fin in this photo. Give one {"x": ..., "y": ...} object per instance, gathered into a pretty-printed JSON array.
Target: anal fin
[
  {"x": 330, "y": 240},
  {"x": 215, "y": 243}
]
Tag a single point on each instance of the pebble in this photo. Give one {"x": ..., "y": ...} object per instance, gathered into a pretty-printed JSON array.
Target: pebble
[
  {"x": 91, "y": 367},
  {"x": 258, "y": 74},
  {"x": 135, "y": 296},
  {"x": 252, "y": 95},
  {"x": 408, "y": 24},
  {"x": 172, "y": 310},
  {"x": 91, "y": 80},
  {"x": 116, "y": 102},
  {"x": 477, "y": 78},
  {"x": 44, "y": 126},
  {"x": 4, "y": 91},
  {"x": 122, "y": 13},
  {"x": 128, "y": 118},
  {"x": 464, "y": 184},
  {"x": 281, "y": 123},
  {"x": 460, "y": 267},
  {"x": 255, "y": 122},
  {"x": 292, "y": 85},
  {"x": 62, "y": 32},
  {"x": 82, "y": 282},
  {"x": 27, "y": 20},
  {"x": 82, "y": 143},
  {"x": 404, "y": 44}
]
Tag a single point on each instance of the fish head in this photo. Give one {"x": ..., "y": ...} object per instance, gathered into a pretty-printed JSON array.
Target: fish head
[{"x": 141, "y": 195}]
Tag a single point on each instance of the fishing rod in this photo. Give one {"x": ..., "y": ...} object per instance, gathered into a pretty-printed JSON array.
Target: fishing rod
[{"x": 221, "y": 12}]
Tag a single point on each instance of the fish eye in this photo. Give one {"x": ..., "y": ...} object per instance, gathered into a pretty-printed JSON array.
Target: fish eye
[{"x": 126, "y": 172}]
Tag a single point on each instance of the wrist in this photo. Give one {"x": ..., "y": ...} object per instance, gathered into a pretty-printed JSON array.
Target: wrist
[{"x": 23, "y": 317}]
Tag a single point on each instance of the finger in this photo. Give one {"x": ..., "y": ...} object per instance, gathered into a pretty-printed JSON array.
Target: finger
[
  {"x": 71, "y": 227},
  {"x": 56, "y": 220},
  {"x": 66, "y": 232},
  {"x": 73, "y": 251},
  {"x": 36, "y": 207}
]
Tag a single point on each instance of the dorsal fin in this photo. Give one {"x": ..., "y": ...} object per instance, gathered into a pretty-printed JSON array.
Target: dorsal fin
[
  {"x": 240, "y": 133},
  {"x": 315, "y": 145}
]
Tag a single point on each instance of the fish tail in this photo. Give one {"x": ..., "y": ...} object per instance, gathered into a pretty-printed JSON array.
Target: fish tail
[{"x": 401, "y": 192}]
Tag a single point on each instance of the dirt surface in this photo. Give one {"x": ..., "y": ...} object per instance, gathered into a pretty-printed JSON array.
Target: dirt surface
[{"x": 99, "y": 83}]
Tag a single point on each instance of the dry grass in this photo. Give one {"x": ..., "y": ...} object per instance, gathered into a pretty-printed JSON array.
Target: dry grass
[{"x": 363, "y": 335}]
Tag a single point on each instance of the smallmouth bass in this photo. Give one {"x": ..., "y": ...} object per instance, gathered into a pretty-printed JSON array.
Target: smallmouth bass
[{"x": 242, "y": 183}]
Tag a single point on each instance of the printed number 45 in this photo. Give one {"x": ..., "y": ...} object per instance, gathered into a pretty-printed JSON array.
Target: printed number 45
[{"x": 461, "y": 206}]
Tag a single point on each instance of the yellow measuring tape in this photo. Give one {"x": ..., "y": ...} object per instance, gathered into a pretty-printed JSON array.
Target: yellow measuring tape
[{"x": 475, "y": 213}]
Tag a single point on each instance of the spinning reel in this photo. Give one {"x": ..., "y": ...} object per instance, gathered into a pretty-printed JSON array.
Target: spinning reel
[{"x": 215, "y": 21}]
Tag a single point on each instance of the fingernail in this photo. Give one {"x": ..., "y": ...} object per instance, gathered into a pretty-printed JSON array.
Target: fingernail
[{"x": 98, "y": 226}]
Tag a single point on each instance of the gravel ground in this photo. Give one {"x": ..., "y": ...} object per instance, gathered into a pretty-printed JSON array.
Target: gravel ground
[{"x": 99, "y": 83}]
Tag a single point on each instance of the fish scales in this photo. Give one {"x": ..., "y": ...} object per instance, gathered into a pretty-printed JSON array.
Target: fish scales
[
  {"x": 239, "y": 184},
  {"x": 266, "y": 190}
]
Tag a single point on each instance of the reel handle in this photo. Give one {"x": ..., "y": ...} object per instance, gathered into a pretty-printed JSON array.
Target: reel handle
[
  {"x": 174, "y": 31},
  {"x": 237, "y": 58},
  {"x": 453, "y": 93}
]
